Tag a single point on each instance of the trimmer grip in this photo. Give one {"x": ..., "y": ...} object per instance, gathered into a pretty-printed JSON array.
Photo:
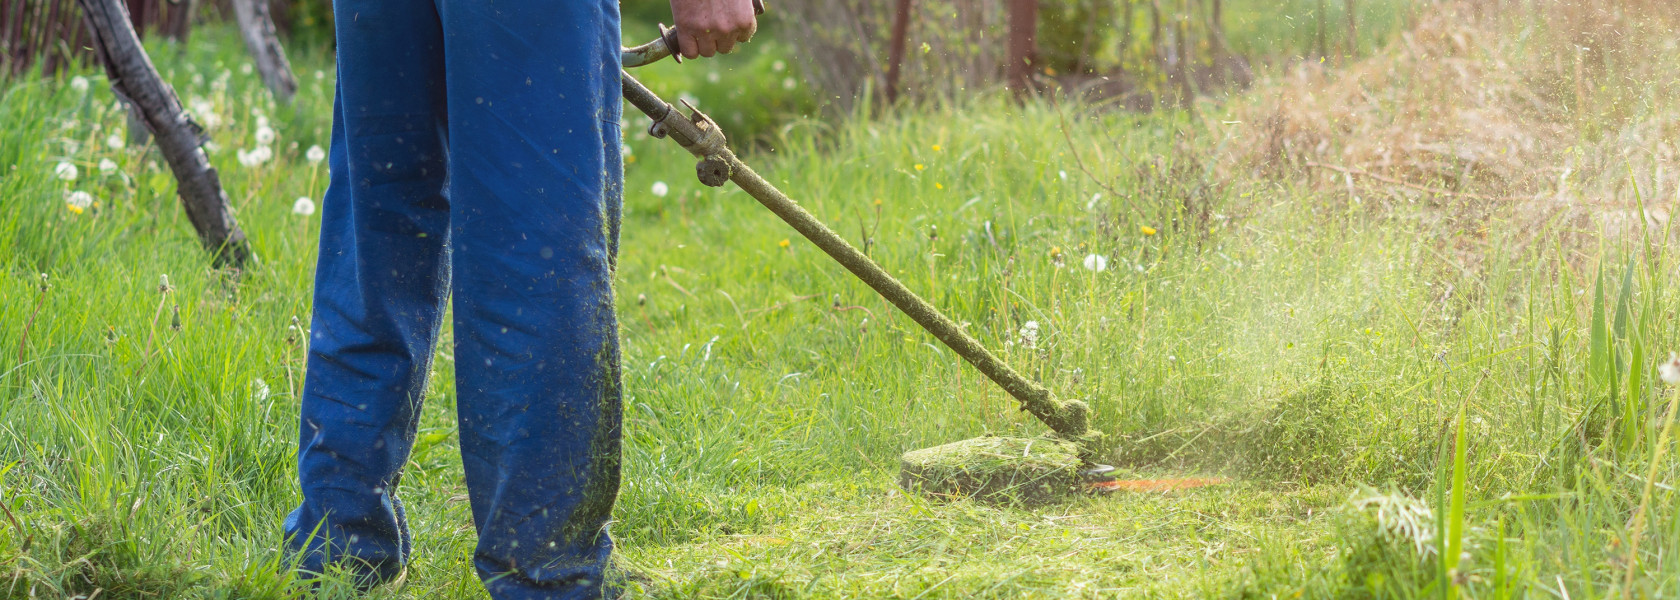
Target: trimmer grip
[{"x": 669, "y": 34}]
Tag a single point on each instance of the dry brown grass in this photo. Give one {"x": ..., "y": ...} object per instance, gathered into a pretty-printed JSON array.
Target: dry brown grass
[{"x": 1550, "y": 115}]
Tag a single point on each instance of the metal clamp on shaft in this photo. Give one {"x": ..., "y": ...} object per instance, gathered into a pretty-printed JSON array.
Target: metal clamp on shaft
[{"x": 695, "y": 132}]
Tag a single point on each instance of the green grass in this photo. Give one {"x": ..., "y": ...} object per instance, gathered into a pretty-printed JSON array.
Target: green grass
[{"x": 1377, "y": 399}]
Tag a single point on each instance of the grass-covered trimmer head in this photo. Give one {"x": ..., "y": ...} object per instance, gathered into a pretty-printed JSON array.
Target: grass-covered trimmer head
[{"x": 990, "y": 465}]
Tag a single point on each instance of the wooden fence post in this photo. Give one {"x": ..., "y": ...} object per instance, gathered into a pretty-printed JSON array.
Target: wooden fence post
[
  {"x": 136, "y": 81},
  {"x": 257, "y": 28}
]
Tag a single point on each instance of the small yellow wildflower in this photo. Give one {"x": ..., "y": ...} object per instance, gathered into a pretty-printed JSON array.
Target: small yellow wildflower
[
  {"x": 936, "y": 148},
  {"x": 877, "y": 202},
  {"x": 919, "y": 166},
  {"x": 73, "y": 208},
  {"x": 1147, "y": 230},
  {"x": 938, "y": 186},
  {"x": 784, "y": 243}
]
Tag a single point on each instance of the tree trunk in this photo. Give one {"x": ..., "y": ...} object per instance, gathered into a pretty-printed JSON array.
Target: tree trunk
[
  {"x": 1323, "y": 46},
  {"x": 264, "y": 45},
  {"x": 1156, "y": 49},
  {"x": 1023, "y": 31},
  {"x": 895, "y": 51},
  {"x": 1352, "y": 29},
  {"x": 1125, "y": 34},
  {"x": 136, "y": 81},
  {"x": 1186, "y": 88}
]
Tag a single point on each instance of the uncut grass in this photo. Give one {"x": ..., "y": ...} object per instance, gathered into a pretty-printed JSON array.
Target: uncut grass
[{"x": 1266, "y": 331}]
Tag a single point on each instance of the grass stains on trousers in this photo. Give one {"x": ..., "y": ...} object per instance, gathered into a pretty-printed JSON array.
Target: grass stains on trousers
[{"x": 475, "y": 159}]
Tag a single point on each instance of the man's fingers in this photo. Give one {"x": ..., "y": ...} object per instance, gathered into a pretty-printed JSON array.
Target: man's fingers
[
  {"x": 725, "y": 44},
  {"x": 688, "y": 44},
  {"x": 745, "y": 34},
  {"x": 706, "y": 46}
]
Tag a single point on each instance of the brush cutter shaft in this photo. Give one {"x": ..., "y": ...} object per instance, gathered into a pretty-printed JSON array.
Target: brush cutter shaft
[{"x": 1070, "y": 420}]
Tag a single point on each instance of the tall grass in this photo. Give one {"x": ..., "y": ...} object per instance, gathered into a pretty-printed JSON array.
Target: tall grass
[{"x": 1405, "y": 413}]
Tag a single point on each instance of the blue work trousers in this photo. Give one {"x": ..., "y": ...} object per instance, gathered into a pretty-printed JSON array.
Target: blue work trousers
[{"x": 475, "y": 157}]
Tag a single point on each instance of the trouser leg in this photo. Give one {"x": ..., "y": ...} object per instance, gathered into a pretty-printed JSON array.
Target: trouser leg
[
  {"x": 380, "y": 282},
  {"x": 534, "y": 185}
]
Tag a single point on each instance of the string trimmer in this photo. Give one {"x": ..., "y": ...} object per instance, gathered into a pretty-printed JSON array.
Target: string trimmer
[{"x": 988, "y": 468}]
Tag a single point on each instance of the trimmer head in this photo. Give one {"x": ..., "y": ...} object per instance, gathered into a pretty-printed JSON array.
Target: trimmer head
[{"x": 1000, "y": 470}]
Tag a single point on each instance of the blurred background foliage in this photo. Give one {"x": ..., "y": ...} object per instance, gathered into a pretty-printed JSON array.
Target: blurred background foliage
[{"x": 822, "y": 57}]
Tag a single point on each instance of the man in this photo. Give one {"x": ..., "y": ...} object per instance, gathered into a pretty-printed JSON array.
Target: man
[{"x": 475, "y": 156}]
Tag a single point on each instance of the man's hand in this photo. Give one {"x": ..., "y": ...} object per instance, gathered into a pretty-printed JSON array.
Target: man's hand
[{"x": 708, "y": 27}]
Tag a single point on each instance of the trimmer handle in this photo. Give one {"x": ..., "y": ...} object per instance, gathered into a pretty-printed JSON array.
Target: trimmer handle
[{"x": 665, "y": 45}]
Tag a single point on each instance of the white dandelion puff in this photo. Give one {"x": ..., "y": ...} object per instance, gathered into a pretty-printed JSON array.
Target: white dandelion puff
[
  {"x": 107, "y": 166},
  {"x": 778, "y": 66},
  {"x": 79, "y": 200},
  {"x": 315, "y": 155},
  {"x": 252, "y": 158},
  {"x": 66, "y": 171},
  {"x": 115, "y": 142},
  {"x": 789, "y": 83},
  {"x": 1096, "y": 262},
  {"x": 265, "y": 135},
  {"x": 660, "y": 189},
  {"x": 79, "y": 83},
  {"x": 1670, "y": 370},
  {"x": 1029, "y": 334},
  {"x": 303, "y": 206}
]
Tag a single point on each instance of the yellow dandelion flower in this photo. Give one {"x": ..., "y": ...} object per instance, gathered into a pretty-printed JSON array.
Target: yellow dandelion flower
[
  {"x": 73, "y": 208},
  {"x": 877, "y": 202},
  {"x": 784, "y": 243},
  {"x": 936, "y": 148},
  {"x": 938, "y": 186},
  {"x": 1147, "y": 230},
  {"x": 1055, "y": 251},
  {"x": 919, "y": 166}
]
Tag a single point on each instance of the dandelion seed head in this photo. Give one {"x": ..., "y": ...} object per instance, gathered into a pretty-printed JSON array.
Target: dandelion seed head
[
  {"x": 788, "y": 83},
  {"x": 1029, "y": 334},
  {"x": 778, "y": 66},
  {"x": 79, "y": 83},
  {"x": 107, "y": 166},
  {"x": 1096, "y": 262},
  {"x": 660, "y": 189},
  {"x": 265, "y": 135},
  {"x": 66, "y": 171},
  {"x": 115, "y": 142},
  {"x": 315, "y": 155},
  {"x": 303, "y": 206},
  {"x": 1670, "y": 369}
]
